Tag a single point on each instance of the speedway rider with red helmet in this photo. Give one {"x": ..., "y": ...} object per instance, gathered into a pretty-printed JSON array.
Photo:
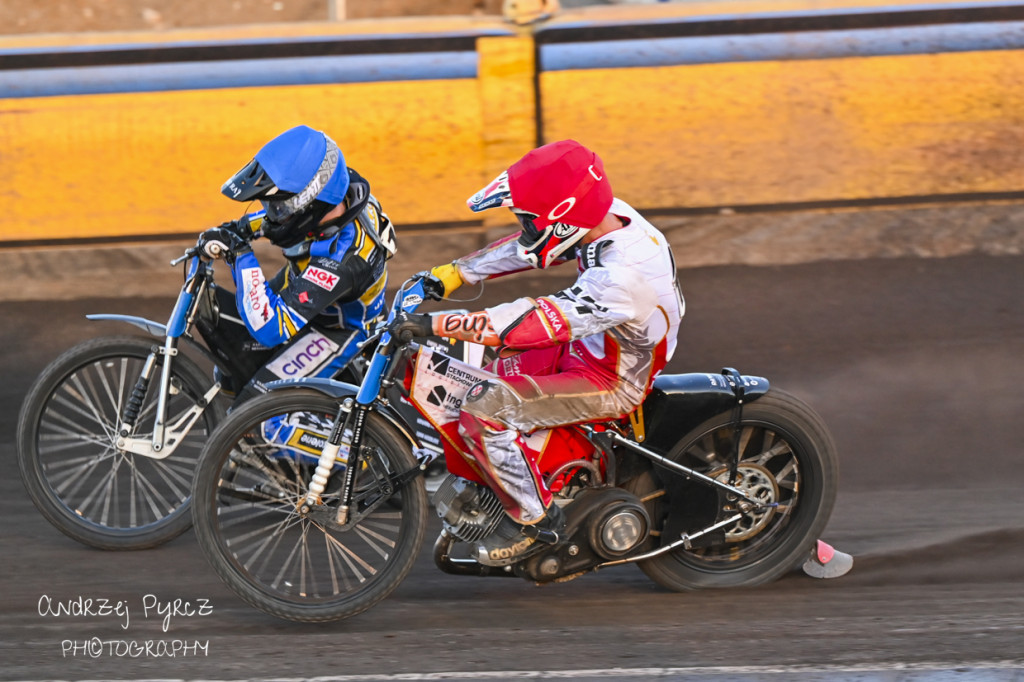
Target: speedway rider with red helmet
[
  {"x": 309, "y": 318},
  {"x": 588, "y": 352}
]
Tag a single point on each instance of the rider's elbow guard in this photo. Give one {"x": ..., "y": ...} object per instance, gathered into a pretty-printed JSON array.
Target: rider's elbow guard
[{"x": 542, "y": 326}]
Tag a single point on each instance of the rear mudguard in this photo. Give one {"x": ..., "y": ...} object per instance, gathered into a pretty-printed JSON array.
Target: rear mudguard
[
  {"x": 678, "y": 403},
  {"x": 339, "y": 390}
]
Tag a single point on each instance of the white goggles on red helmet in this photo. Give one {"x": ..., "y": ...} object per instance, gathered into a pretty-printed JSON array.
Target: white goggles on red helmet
[{"x": 542, "y": 247}]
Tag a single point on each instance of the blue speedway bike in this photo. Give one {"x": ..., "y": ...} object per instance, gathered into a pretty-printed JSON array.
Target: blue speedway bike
[
  {"x": 110, "y": 433},
  {"x": 310, "y": 501}
]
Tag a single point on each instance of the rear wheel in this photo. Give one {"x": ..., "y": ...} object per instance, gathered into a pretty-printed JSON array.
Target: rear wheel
[
  {"x": 786, "y": 459},
  {"x": 305, "y": 567},
  {"x": 77, "y": 476}
]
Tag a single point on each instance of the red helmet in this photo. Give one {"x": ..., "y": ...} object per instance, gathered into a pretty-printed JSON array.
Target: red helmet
[{"x": 558, "y": 192}]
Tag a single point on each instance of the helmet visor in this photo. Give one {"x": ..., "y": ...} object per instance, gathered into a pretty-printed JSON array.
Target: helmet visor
[
  {"x": 280, "y": 210},
  {"x": 530, "y": 234},
  {"x": 541, "y": 247}
]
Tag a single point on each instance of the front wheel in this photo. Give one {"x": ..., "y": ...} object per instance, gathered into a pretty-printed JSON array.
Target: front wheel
[
  {"x": 786, "y": 458},
  {"x": 304, "y": 566},
  {"x": 77, "y": 476}
]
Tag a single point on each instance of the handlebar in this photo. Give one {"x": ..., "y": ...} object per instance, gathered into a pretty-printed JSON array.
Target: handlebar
[{"x": 196, "y": 252}]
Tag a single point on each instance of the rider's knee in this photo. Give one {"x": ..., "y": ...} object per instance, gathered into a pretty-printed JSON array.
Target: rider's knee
[
  {"x": 485, "y": 397},
  {"x": 479, "y": 409}
]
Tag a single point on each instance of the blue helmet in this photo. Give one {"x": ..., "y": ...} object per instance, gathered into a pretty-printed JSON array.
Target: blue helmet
[{"x": 298, "y": 176}]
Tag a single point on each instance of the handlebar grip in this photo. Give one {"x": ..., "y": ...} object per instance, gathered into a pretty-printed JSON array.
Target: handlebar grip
[{"x": 405, "y": 336}]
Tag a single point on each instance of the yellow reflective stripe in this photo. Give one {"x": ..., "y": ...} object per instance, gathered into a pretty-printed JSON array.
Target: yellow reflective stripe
[
  {"x": 290, "y": 326},
  {"x": 367, "y": 246},
  {"x": 374, "y": 290},
  {"x": 287, "y": 326},
  {"x": 255, "y": 223}
]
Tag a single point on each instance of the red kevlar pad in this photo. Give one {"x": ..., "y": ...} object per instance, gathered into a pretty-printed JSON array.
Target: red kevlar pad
[{"x": 542, "y": 328}]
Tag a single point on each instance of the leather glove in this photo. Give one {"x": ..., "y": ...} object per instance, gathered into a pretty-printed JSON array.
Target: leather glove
[
  {"x": 407, "y": 326},
  {"x": 225, "y": 241},
  {"x": 445, "y": 280}
]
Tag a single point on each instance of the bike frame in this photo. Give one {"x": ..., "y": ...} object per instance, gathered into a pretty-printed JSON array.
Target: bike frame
[{"x": 352, "y": 413}]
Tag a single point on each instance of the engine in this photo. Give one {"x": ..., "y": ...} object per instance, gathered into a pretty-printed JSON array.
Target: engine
[
  {"x": 468, "y": 510},
  {"x": 602, "y": 524}
]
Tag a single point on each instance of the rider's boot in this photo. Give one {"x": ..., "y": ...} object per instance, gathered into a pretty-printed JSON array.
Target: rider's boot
[
  {"x": 827, "y": 562},
  {"x": 511, "y": 542}
]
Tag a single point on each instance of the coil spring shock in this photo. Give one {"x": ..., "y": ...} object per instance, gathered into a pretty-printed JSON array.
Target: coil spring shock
[
  {"x": 133, "y": 406},
  {"x": 324, "y": 466}
]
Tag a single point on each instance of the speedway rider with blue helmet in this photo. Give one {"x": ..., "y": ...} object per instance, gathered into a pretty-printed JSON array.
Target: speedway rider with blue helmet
[{"x": 310, "y": 317}]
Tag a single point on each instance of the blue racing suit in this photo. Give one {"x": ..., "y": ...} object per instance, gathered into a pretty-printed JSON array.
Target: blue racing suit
[{"x": 311, "y": 316}]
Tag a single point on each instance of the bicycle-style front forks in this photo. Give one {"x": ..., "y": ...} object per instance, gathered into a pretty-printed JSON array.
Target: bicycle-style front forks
[
  {"x": 343, "y": 445},
  {"x": 165, "y": 438},
  {"x": 345, "y": 442}
]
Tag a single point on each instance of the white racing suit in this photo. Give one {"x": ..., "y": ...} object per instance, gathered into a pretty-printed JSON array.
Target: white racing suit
[{"x": 590, "y": 351}]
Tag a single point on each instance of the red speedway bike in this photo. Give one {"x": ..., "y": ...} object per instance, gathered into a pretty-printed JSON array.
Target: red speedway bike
[{"x": 310, "y": 502}]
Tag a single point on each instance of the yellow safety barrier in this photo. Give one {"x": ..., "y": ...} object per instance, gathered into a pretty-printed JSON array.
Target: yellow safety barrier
[
  {"x": 153, "y": 162},
  {"x": 797, "y": 131},
  {"x": 773, "y": 130}
]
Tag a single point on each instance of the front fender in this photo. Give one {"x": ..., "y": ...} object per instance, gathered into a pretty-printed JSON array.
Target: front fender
[
  {"x": 329, "y": 387},
  {"x": 678, "y": 403},
  {"x": 149, "y": 326},
  {"x": 339, "y": 390}
]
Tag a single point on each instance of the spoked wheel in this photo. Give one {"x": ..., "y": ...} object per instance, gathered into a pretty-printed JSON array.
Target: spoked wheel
[
  {"x": 77, "y": 476},
  {"x": 293, "y": 564},
  {"x": 787, "y": 460}
]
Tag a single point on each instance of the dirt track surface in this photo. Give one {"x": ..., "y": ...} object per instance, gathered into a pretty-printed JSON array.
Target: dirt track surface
[{"x": 917, "y": 366}]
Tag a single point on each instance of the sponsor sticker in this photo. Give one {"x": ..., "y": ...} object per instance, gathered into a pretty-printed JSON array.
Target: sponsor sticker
[
  {"x": 255, "y": 300},
  {"x": 308, "y": 441},
  {"x": 321, "y": 278},
  {"x": 511, "y": 366},
  {"x": 562, "y": 230},
  {"x": 306, "y": 357},
  {"x": 553, "y": 315},
  {"x": 440, "y": 385},
  {"x": 327, "y": 264},
  {"x": 591, "y": 256}
]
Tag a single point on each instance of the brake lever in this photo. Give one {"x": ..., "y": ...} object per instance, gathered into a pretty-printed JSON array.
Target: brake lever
[{"x": 433, "y": 289}]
